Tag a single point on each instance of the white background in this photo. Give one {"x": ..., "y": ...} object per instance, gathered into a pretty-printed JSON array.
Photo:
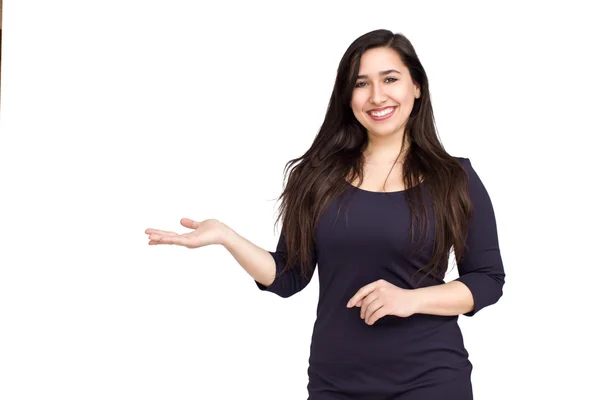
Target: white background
[{"x": 118, "y": 116}]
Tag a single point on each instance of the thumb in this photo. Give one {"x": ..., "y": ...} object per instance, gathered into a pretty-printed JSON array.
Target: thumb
[{"x": 189, "y": 223}]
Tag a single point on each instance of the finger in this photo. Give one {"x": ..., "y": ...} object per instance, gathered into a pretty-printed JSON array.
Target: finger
[
  {"x": 159, "y": 232},
  {"x": 372, "y": 307},
  {"x": 366, "y": 303},
  {"x": 169, "y": 239},
  {"x": 362, "y": 292},
  {"x": 381, "y": 312},
  {"x": 189, "y": 223}
]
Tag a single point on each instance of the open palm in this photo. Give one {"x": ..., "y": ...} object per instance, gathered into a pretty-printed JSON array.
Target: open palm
[{"x": 206, "y": 232}]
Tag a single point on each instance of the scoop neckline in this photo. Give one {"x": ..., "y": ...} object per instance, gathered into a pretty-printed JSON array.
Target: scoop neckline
[{"x": 373, "y": 192}]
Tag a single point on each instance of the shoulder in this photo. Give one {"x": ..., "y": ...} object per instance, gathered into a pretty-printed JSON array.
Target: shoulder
[
  {"x": 464, "y": 161},
  {"x": 468, "y": 170},
  {"x": 475, "y": 183}
]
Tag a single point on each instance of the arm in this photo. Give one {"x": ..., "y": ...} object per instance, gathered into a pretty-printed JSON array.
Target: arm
[
  {"x": 481, "y": 271},
  {"x": 262, "y": 265},
  {"x": 452, "y": 298}
]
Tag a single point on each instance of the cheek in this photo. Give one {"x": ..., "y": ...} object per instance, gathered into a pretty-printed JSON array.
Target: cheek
[
  {"x": 357, "y": 103},
  {"x": 405, "y": 102},
  {"x": 403, "y": 97}
]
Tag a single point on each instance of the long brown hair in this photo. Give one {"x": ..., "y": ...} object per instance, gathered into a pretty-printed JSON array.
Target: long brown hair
[{"x": 319, "y": 175}]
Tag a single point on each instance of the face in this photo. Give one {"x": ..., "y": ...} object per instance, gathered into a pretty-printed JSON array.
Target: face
[{"x": 384, "y": 92}]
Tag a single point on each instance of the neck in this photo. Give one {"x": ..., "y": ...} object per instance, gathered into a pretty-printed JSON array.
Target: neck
[{"x": 386, "y": 150}]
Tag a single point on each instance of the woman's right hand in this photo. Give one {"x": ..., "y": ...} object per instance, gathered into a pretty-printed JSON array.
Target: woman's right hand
[{"x": 209, "y": 231}]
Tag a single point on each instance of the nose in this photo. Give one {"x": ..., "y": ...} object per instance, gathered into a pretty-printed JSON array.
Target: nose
[{"x": 377, "y": 94}]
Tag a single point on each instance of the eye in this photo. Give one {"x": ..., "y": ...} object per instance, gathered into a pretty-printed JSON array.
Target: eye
[{"x": 389, "y": 79}]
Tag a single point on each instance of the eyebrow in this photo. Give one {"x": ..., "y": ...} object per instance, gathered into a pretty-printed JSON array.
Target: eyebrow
[{"x": 381, "y": 73}]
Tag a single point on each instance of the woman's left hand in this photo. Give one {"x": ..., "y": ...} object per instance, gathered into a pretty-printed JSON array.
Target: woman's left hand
[{"x": 381, "y": 298}]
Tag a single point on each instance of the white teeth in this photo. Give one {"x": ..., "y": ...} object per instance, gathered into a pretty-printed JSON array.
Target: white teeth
[{"x": 381, "y": 113}]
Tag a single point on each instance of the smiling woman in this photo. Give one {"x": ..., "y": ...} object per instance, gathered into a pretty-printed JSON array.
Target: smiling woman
[
  {"x": 404, "y": 341},
  {"x": 386, "y": 323}
]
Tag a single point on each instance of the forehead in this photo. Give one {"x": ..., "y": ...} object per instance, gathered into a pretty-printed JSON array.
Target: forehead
[{"x": 380, "y": 59}]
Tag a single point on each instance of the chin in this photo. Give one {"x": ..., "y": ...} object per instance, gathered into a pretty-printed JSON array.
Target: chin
[{"x": 384, "y": 132}]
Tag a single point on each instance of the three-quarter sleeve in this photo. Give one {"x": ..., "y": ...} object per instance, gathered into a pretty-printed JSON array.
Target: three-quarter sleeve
[
  {"x": 292, "y": 281},
  {"x": 481, "y": 269}
]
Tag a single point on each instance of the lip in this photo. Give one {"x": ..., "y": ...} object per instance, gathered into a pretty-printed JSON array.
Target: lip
[{"x": 380, "y": 109}]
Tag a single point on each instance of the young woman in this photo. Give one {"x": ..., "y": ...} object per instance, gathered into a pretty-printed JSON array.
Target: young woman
[{"x": 378, "y": 205}]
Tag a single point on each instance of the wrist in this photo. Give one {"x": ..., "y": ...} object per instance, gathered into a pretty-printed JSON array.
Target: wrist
[
  {"x": 417, "y": 300},
  {"x": 225, "y": 234}
]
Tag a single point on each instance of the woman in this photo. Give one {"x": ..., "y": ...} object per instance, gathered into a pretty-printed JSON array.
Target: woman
[{"x": 386, "y": 325}]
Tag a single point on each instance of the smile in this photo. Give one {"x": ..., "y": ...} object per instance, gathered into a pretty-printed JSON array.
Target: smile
[{"x": 382, "y": 114}]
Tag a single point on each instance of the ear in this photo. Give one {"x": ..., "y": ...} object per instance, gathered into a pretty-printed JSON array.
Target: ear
[{"x": 417, "y": 92}]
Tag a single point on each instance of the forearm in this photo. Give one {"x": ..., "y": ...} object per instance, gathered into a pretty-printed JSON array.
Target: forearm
[
  {"x": 257, "y": 262},
  {"x": 452, "y": 298}
]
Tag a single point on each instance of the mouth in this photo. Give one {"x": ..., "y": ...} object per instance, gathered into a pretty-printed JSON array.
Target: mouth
[{"x": 382, "y": 113}]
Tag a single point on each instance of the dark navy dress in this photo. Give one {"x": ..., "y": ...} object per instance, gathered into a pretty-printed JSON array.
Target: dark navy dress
[{"x": 419, "y": 357}]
